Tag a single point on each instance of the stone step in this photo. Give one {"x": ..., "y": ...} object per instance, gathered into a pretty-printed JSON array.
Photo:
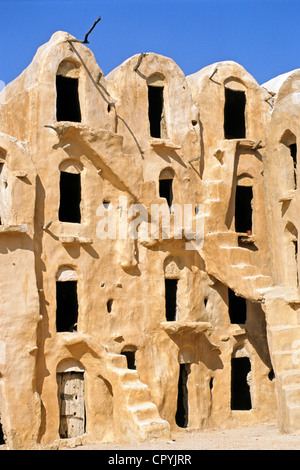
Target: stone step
[
  {"x": 126, "y": 375},
  {"x": 155, "y": 429},
  {"x": 136, "y": 393},
  {"x": 235, "y": 255},
  {"x": 292, "y": 394},
  {"x": 284, "y": 337},
  {"x": 293, "y": 424},
  {"x": 117, "y": 360},
  {"x": 227, "y": 238},
  {"x": 145, "y": 411}
]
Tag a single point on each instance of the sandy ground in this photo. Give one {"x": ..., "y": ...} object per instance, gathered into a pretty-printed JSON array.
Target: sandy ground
[{"x": 259, "y": 437}]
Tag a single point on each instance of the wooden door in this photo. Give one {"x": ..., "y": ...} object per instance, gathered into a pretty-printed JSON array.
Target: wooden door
[{"x": 71, "y": 401}]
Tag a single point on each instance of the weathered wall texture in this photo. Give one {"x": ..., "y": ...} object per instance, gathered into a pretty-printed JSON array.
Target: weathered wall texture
[{"x": 111, "y": 337}]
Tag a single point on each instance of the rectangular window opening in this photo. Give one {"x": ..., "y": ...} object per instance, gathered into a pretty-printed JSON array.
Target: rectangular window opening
[
  {"x": 67, "y": 99},
  {"x": 240, "y": 389},
  {"x": 295, "y": 243},
  {"x": 182, "y": 413},
  {"x": 166, "y": 190},
  {"x": 243, "y": 209},
  {"x": 237, "y": 308},
  {"x": 293, "y": 151},
  {"x": 66, "y": 306},
  {"x": 156, "y": 105},
  {"x": 234, "y": 114},
  {"x": 70, "y": 197},
  {"x": 171, "y": 298}
]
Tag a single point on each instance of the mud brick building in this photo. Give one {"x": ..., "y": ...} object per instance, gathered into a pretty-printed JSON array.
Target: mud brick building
[{"x": 114, "y": 327}]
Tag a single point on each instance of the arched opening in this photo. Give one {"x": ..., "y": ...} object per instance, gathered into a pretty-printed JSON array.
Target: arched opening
[
  {"x": 156, "y": 106},
  {"x": 72, "y": 418},
  {"x": 4, "y": 195},
  {"x": 70, "y": 192},
  {"x": 288, "y": 153},
  {"x": 172, "y": 275},
  {"x": 240, "y": 389},
  {"x": 67, "y": 93},
  {"x": 234, "y": 110},
  {"x": 66, "y": 300},
  {"x": 182, "y": 413},
  {"x": 5, "y": 190},
  {"x": 129, "y": 352},
  {"x": 166, "y": 178},
  {"x": 293, "y": 152},
  {"x": 291, "y": 259}
]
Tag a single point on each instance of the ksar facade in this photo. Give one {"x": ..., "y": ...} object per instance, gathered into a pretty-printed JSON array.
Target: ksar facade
[{"x": 113, "y": 326}]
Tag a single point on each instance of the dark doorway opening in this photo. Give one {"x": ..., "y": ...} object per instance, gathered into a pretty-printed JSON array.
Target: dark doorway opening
[
  {"x": 171, "y": 298},
  {"x": 293, "y": 151},
  {"x": 1, "y": 184},
  {"x": 234, "y": 114},
  {"x": 66, "y": 306},
  {"x": 237, "y": 308},
  {"x": 182, "y": 413},
  {"x": 67, "y": 99},
  {"x": 70, "y": 197},
  {"x": 156, "y": 105},
  {"x": 243, "y": 209},
  {"x": 240, "y": 390},
  {"x": 2, "y": 441},
  {"x": 295, "y": 243},
  {"x": 166, "y": 190},
  {"x": 130, "y": 357}
]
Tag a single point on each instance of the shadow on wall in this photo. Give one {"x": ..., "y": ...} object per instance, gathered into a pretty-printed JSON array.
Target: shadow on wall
[{"x": 105, "y": 95}]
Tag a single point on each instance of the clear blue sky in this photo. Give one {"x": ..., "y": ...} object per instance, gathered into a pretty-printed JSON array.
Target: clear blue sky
[{"x": 261, "y": 35}]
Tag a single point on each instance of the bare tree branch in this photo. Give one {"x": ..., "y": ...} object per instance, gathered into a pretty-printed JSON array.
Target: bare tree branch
[
  {"x": 143, "y": 54},
  {"x": 85, "y": 41}
]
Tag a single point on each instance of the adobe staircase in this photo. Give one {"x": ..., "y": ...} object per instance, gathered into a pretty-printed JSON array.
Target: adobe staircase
[
  {"x": 141, "y": 419},
  {"x": 282, "y": 309},
  {"x": 237, "y": 268},
  {"x": 136, "y": 417}
]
